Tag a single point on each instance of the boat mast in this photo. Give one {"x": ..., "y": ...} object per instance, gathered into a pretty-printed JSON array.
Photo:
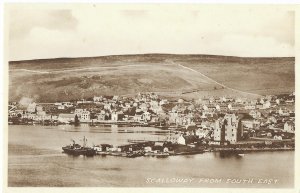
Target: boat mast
[{"x": 84, "y": 141}]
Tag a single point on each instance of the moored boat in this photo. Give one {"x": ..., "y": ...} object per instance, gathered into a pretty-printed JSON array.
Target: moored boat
[{"x": 76, "y": 149}]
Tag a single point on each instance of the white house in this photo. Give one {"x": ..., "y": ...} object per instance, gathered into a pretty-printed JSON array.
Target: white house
[
  {"x": 97, "y": 99},
  {"x": 146, "y": 116},
  {"x": 250, "y": 123},
  {"x": 61, "y": 107},
  {"x": 181, "y": 140},
  {"x": 68, "y": 104},
  {"x": 201, "y": 133},
  {"x": 289, "y": 127},
  {"x": 277, "y": 137},
  {"x": 137, "y": 117},
  {"x": 255, "y": 114},
  {"x": 283, "y": 112},
  {"x": 29, "y": 116},
  {"x": 266, "y": 105},
  {"x": 101, "y": 116},
  {"x": 143, "y": 107},
  {"x": 114, "y": 116},
  {"x": 107, "y": 106},
  {"x": 85, "y": 116}
]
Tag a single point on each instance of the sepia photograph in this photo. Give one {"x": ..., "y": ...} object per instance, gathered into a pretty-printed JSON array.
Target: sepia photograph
[{"x": 150, "y": 95}]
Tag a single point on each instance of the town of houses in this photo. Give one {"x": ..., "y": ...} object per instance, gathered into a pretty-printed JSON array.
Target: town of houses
[{"x": 218, "y": 119}]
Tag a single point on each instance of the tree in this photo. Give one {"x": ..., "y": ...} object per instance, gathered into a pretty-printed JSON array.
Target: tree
[{"x": 76, "y": 120}]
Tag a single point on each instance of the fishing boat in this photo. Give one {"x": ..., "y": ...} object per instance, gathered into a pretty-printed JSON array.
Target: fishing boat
[{"x": 76, "y": 149}]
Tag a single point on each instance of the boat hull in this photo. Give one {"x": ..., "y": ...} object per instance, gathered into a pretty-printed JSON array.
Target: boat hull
[{"x": 81, "y": 151}]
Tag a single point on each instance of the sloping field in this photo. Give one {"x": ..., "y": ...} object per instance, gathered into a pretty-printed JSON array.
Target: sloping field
[
  {"x": 256, "y": 75},
  {"x": 187, "y": 76}
]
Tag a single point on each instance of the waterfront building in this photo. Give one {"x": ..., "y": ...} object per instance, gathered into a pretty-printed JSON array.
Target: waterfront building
[
  {"x": 233, "y": 131},
  {"x": 138, "y": 116},
  {"x": 28, "y": 115},
  {"x": 85, "y": 116},
  {"x": 181, "y": 140},
  {"x": 114, "y": 116},
  {"x": 173, "y": 116},
  {"x": 101, "y": 116},
  {"x": 147, "y": 149},
  {"x": 66, "y": 118},
  {"x": 219, "y": 133},
  {"x": 78, "y": 112},
  {"x": 176, "y": 139},
  {"x": 146, "y": 116},
  {"x": 230, "y": 129},
  {"x": 202, "y": 133}
]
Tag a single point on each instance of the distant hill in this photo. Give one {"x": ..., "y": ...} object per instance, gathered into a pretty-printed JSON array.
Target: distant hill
[{"x": 185, "y": 76}]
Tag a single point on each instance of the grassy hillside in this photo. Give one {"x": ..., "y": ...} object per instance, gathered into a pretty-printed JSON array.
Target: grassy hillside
[{"x": 49, "y": 80}]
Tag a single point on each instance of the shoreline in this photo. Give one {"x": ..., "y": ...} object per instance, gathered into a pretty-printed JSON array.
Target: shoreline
[
  {"x": 27, "y": 150},
  {"x": 252, "y": 150}
]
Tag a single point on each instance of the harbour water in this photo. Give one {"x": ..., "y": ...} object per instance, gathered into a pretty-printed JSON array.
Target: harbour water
[{"x": 35, "y": 159}]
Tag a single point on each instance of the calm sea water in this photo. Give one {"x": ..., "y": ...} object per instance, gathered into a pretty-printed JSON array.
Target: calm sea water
[{"x": 35, "y": 158}]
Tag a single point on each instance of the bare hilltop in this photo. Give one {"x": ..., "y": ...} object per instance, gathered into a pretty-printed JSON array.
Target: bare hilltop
[{"x": 169, "y": 75}]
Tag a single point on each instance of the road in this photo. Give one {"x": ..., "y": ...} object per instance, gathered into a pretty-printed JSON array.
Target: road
[{"x": 218, "y": 83}]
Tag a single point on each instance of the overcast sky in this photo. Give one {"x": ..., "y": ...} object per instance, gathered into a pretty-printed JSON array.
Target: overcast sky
[{"x": 96, "y": 30}]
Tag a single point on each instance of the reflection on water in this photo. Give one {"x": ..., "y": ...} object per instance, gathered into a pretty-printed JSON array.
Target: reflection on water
[
  {"x": 110, "y": 129},
  {"x": 35, "y": 159}
]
